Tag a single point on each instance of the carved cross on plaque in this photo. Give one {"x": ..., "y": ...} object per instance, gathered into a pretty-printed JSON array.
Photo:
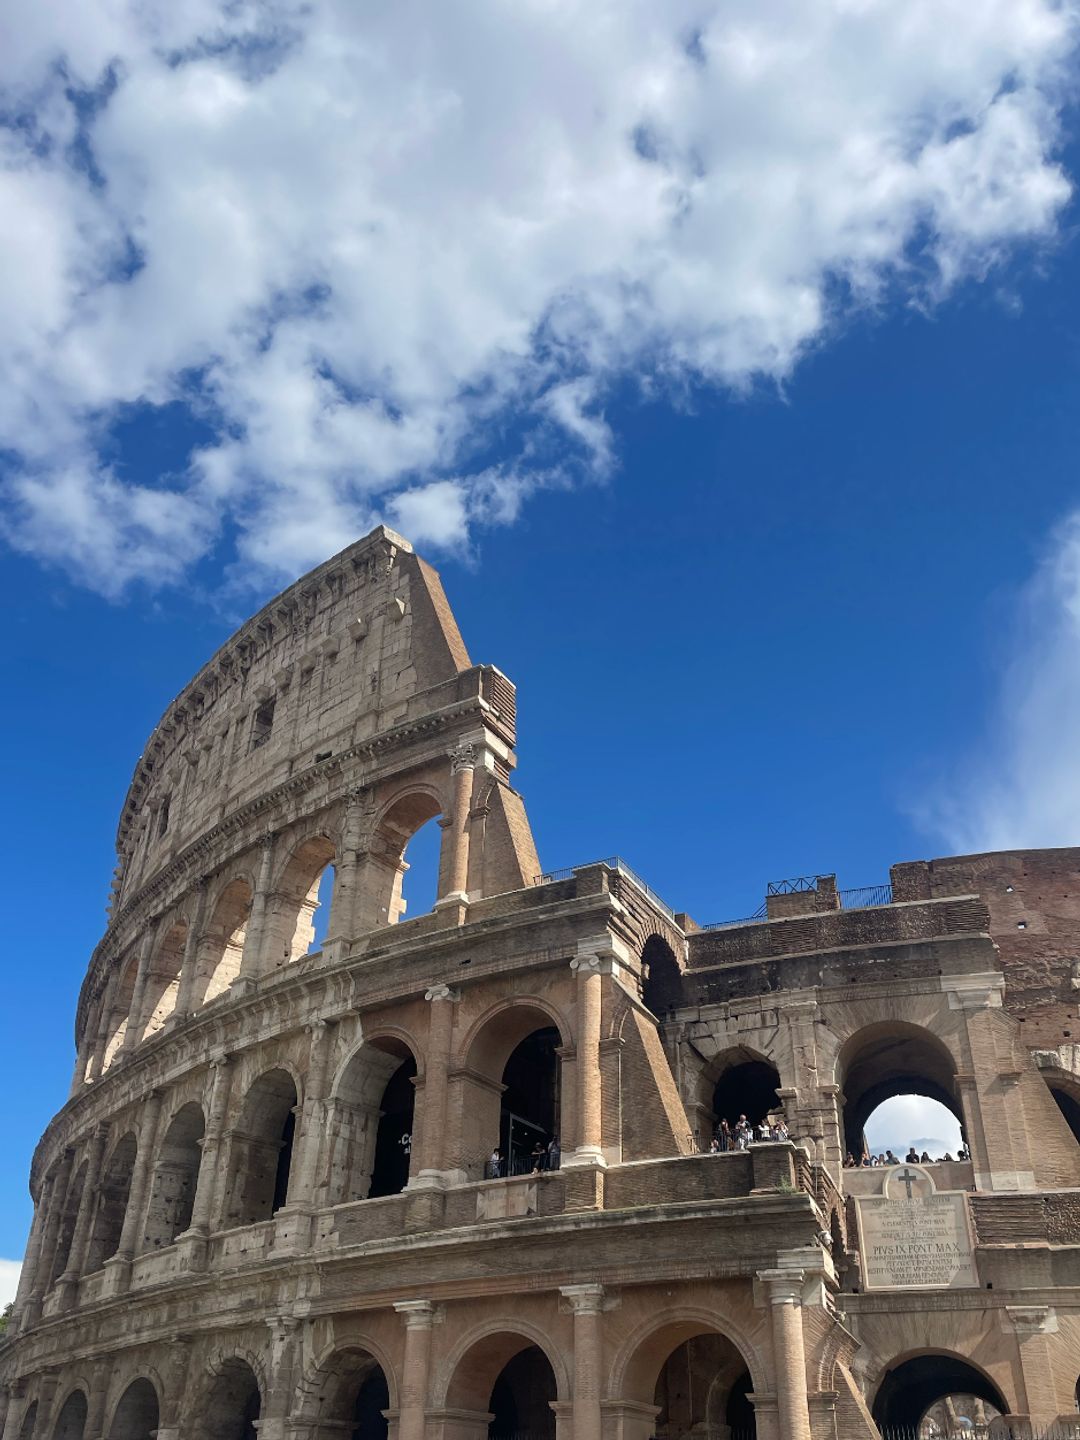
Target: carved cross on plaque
[{"x": 908, "y": 1177}]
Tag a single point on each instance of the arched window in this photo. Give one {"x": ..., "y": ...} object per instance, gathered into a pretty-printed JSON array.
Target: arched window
[
  {"x": 301, "y": 900},
  {"x": 516, "y": 1113},
  {"x": 911, "y": 1389},
  {"x": 887, "y": 1060},
  {"x": 68, "y": 1216},
  {"x": 372, "y": 1122},
  {"x": 222, "y": 948},
  {"x": 163, "y": 979},
  {"x": 420, "y": 878},
  {"x": 509, "y": 1377},
  {"x": 906, "y": 1123},
  {"x": 661, "y": 977},
  {"x": 262, "y": 1146},
  {"x": 349, "y": 1398},
  {"x": 136, "y": 1416},
  {"x": 746, "y": 1085},
  {"x": 112, "y": 1203},
  {"x": 232, "y": 1405},
  {"x": 176, "y": 1174},
  {"x": 383, "y": 900},
  {"x": 71, "y": 1421}
]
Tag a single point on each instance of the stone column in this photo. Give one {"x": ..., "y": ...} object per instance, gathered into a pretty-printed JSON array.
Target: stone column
[
  {"x": 431, "y": 1170},
  {"x": 134, "y": 1216},
  {"x": 341, "y": 926},
  {"x": 784, "y": 1289},
  {"x": 209, "y": 1182},
  {"x": 274, "y": 1421},
  {"x": 32, "y": 1258},
  {"x": 87, "y": 1205},
  {"x": 108, "y": 1002},
  {"x": 133, "y": 1034},
  {"x": 57, "y": 1203},
  {"x": 83, "y": 1056},
  {"x": 456, "y": 835},
  {"x": 174, "y": 1387},
  {"x": 419, "y": 1316},
  {"x": 312, "y": 1120},
  {"x": 253, "y": 961},
  {"x": 1033, "y": 1326},
  {"x": 189, "y": 966},
  {"x": 589, "y": 970},
  {"x": 587, "y": 1302},
  {"x": 94, "y": 1428}
]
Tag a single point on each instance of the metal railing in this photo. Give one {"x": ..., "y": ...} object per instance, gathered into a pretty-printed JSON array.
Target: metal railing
[
  {"x": 613, "y": 862},
  {"x": 759, "y": 914},
  {"x": 800, "y": 885},
  {"x": 865, "y": 896}
]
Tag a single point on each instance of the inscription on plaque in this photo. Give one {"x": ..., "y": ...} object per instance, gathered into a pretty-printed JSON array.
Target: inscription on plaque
[{"x": 913, "y": 1236}]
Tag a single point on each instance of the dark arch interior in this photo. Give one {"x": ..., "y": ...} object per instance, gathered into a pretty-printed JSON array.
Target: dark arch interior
[
  {"x": 704, "y": 1386},
  {"x": 176, "y": 1175},
  {"x": 26, "y": 1429},
  {"x": 908, "y": 1391},
  {"x": 662, "y": 987},
  {"x": 136, "y": 1415},
  {"x": 262, "y": 1150},
  {"x": 1069, "y": 1107},
  {"x": 894, "y": 1061},
  {"x": 521, "y": 1398},
  {"x": 393, "y": 1139},
  {"x": 529, "y": 1110},
  {"x": 72, "y": 1418},
  {"x": 372, "y": 1398},
  {"x": 747, "y": 1088},
  {"x": 233, "y": 1404}
]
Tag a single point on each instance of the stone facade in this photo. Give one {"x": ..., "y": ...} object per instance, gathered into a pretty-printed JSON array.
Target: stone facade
[{"x": 268, "y": 1206}]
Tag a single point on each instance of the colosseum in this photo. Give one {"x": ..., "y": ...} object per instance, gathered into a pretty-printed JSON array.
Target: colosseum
[{"x": 456, "y": 1174}]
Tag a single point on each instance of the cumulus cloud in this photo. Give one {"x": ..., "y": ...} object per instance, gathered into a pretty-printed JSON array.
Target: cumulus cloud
[
  {"x": 906, "y": 1120},
  {"x": 394, "y": 258},
  {"x": 1022, "y": 788},
  {"x": 9, "y": 1280}
]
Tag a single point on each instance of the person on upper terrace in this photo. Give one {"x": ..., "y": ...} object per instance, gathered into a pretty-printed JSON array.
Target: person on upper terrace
[
  {"x": 912, "y": 1156},
  {"x": 743, "y": 1133}
]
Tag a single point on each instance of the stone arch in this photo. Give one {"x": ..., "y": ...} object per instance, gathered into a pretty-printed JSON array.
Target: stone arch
[
  {"x": 29, "y": 1421},
  {"x": 231, "y": 1400},
  {"x": 261, "y": 1147},
  {"x": 638, "y": 1361},
  {"x": 380, "y": 901},
  {"x": 137, "y": 1413},
  {"x": 511, "y": 1079},
  {"x": 661, "y": 974},
  {"x": 116, "y": 1026},
  {"x": 69, "y": 1211},
  {"x": 912, "y": 1382},
  {"x": 739, "y": 1081},
  {"x": 221, "y": 948},
  {"x": 71, "y": 1421},
  {"x": 291, "y": 907},
  {"x": 163, "y": 979},
  {"x": 478, "y": 1358},
  {"x": 371, "y": 1112},
  {"x": 888, "y": 1058},
  {"x": 353, "y": 1384},
  {"x": 1065, "y": 1092},
  {"x": 112, "y": 1201},
  {"x": 176, "y": 1177}
]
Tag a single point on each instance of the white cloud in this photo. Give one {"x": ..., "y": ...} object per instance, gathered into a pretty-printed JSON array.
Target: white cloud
[
  {"x": 375, "y": 247},
  {"x": 9, "y": 1280},
  {"x": 913, "y": 1120},
  {"x": 1021, "y": 787}
]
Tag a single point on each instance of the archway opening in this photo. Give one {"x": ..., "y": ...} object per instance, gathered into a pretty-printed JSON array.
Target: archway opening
[
  {"x": 112, "y": 1203},
  {"x": 351, "y": 1399},
  {"x": 176, "y": 1175},
  {"x": 958, "y": 1417},
  {"x": 1069, "y": 1107},
  {"x": 301, "y": 902},
  {"x": 521, "y": 1398},
  {"x": 163, "y": 981},
  {"x": 910, "y": 1390},
  {"x": 703, "y": 1389},
  {"x": 71, "y": 1421},
  {"x": 120, "y": 1013},
  {"x": 136, "y": 1416},
  {"x": 371, "y": 1122},
  {"x": 65, "y": 1233},
  {"x": 662, "y": 979},
  {"x": 887, "y": 1060},
  {"x": 529, "y": 1109},
  {"x": 26, "y": 1429},
  {"x": 420, "y": 879},
  {"x": 906, "y": 1125},
  {"x": 262, "y": 1148},
  {"x": 323, "y": 896},
  {"x": 405, "y": 828},
  {"x": 233, "y": 1404},
  {"x": 222, "y": 948},
  {"x": 745, "y": 1086}
]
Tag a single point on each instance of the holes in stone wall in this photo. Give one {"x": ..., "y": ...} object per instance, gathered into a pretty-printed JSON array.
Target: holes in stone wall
[{"x": 262, "y": 723}]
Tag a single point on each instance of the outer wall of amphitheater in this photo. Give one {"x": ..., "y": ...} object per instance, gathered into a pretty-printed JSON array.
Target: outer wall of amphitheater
[{"x": 443, "y": 1176}]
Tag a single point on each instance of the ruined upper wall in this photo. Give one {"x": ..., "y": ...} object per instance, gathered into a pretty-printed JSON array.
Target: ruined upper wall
[{"x": 330, "y": 662}]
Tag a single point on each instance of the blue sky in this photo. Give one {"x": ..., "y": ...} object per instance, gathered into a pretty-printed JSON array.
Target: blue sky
[{"x": 771, "y": 519}]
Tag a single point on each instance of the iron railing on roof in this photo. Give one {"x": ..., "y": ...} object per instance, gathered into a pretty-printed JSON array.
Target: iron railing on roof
[
  {"x": 861, "y": 898},
  {"x": 800, "y": 885},
  {"x": 865, "y": 896},
  {"x": 613, "y": 862}
]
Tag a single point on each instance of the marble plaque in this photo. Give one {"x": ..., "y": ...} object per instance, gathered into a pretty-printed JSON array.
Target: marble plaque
[{"x": 913, "y": 1236}]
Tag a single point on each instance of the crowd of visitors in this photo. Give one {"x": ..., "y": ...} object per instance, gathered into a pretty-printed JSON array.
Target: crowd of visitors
[
  {"x": 542, "y": 1157},
  {"x": 913, "y": 1157},
  {"x": 742, "y": 1133}
]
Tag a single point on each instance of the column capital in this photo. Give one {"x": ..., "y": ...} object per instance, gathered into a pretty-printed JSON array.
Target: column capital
[
  {"x": 587, "y": 1299},
  {"x": 784, "y": 1287},
  {"x": 419, "y": 1314},
  {"x": 1032, "y": 1319},
  {"x": 443, "y": 992},
  {"x": 595, "y": 964},
  {"x": 463, "y": 757}
]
